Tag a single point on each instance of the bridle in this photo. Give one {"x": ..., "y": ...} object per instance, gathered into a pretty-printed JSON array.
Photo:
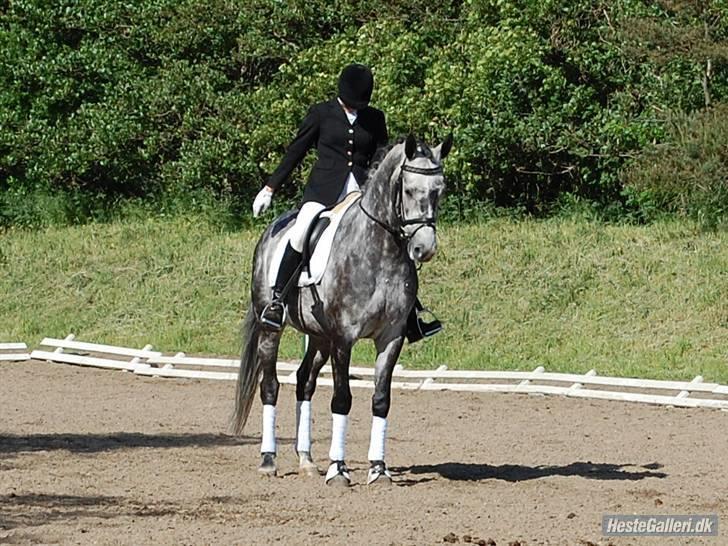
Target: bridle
[{"x": 424, "y": 221}]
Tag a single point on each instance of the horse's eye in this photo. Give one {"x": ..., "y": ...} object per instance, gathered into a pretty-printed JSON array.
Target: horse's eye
[{"x": 408, "y": 193}]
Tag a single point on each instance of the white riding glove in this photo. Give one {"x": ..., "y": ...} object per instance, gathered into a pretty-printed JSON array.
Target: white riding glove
[{"x": 262, "y": 202}]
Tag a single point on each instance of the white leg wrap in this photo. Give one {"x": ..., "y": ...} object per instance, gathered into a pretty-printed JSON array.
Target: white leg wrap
[
  {"x": 268, "y": 444},
  {"x": 338, "y": 437},
  {"x": 303, "y": 426},
  {"x": 376, "y": 442}
]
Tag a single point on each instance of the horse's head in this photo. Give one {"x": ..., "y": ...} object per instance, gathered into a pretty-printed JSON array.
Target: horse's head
[{"x": 419, "y": 187}]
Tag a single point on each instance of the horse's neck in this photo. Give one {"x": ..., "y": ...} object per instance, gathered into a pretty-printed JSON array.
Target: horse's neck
[
  {"x": 372, "y": 238},
  {"x": 373, "y": 245},
  {"x": 378, "y": 194}
]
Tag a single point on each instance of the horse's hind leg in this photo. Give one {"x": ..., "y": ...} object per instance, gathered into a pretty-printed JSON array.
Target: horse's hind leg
[
  {"x": 268, "y": 354},
  {"x": 388, "y": 351},
  {"x": 316, "y": 356}
]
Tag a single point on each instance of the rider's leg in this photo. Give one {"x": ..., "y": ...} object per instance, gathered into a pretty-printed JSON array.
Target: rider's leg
[
  {"x": 308, "y": 212},
  {"x": 274, "y": 313},
  {"x": 418, "y": 328}
]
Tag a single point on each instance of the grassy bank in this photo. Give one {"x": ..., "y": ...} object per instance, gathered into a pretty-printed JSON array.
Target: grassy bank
[{"x": 569, "y": 295}]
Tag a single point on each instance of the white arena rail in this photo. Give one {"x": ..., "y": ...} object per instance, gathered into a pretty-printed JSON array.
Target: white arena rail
[
  {"x": 145, "y": 362},
  {"x": 93, "y": 354},
  {"x": 13, "y": 352}
]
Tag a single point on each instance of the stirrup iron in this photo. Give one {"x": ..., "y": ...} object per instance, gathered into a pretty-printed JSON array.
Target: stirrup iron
[{"x": 271, "y": 323}]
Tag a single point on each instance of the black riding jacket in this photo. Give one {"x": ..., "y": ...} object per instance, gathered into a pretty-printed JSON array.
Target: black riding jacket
[{"x": 342, "y": 148}]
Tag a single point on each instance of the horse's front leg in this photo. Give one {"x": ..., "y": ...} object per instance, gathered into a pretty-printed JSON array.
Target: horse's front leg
[
  {"x": 388, "y": 350},
  {"x": 268, "y": 355},
  {"x": 338, "y": 473},
  {"x": 316, "y": 356}
]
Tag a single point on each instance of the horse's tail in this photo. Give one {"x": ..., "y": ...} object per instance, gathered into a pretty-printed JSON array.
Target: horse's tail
[{"x": 249, "y": 374}]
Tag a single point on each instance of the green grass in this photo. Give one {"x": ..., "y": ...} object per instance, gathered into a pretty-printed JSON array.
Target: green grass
[{"x": 570, "y": 295}]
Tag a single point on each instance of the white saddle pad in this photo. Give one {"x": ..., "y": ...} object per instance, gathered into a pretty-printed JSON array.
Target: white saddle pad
[{"x": 321, "y": 253}]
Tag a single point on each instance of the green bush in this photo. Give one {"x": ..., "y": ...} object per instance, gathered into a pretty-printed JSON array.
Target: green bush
[
  {"x": 107, "y": 102},
  {"x": 688, "y": 173}
]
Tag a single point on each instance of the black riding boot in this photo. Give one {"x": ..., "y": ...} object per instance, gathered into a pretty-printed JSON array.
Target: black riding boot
[
  {"x": 274, "y": 314},
  {"x": 418, "y": 328}
]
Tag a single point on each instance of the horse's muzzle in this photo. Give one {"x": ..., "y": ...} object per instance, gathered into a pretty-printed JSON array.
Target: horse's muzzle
[{"x": 423, "y": 245}]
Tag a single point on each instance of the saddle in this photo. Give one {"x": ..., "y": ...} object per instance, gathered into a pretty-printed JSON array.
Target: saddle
[{"x": 317, "y": 246}]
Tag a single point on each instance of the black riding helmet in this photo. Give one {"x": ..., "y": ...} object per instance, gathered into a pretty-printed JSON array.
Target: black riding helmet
[{"x": 355, "y": 86}]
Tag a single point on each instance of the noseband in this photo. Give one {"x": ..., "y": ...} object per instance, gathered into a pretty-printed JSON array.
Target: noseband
[{"x": 421, "y": 222}]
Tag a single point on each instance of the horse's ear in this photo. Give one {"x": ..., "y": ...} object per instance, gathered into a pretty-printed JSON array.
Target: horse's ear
[
  {"x": 443, "y": 149},
  {"x": 410, "y": 147}
]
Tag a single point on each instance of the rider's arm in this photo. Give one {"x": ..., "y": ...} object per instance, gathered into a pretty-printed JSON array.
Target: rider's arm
[{"x": 296, "y": 151}]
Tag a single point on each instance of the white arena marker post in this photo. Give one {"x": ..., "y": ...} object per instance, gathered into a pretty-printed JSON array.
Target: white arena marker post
[
  {"x": 431, "y": 380},
  {"x": 538, "y": 370},
  {"x": 69, "y": 337},
  {"x": 685, "y": 394},
  {"x": 169, "y": 365},
  {"x": 525, "y": 382},
  {"x": 696, "y": 380},
  {"x": 136, "y": 362},
  {"x": 577, "y": 386}
]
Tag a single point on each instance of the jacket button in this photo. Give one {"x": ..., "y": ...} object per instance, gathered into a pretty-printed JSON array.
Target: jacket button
[
  {"x": 351, "y": 142},
  {"x": 349, "y": 163},
  {"x": 351, "y": 131},
  {"x": 349, "y": 152}
]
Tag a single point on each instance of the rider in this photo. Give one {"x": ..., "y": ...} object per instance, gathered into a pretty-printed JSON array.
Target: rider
[{"x": 346, "y": 132}]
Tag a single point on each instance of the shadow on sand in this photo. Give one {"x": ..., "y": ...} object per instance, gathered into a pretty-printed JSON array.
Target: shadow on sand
[
  {"x": 32, "y": 510},
  {"x": 11, "y": 444},
  {"x": 517, "y": 473}
]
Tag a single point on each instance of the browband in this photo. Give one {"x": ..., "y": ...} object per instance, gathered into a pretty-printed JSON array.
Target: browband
[{"x": 420, "y": 170}]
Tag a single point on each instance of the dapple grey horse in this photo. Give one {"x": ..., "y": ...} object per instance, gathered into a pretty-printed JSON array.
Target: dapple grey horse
[{"x": 367, "y": 291}]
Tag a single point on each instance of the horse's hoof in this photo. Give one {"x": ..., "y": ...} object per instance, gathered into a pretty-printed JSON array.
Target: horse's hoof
[
  {"x": 339, "y": 481},
  {"x": 338, "y": 475},
  {"x": 378, "y": 474},
  {"x": 306, "y": 466},
  {"x": 309, "y": 471},
  {"x": 267, "y": 464}
]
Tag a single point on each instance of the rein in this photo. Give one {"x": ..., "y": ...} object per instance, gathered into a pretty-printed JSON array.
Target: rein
[
  {"x": 397, "y": 234},
  {"x": 424, "y": 221}
]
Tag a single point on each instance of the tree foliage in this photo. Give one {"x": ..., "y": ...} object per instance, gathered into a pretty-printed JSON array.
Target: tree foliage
[{"x": 103, "y": 101}]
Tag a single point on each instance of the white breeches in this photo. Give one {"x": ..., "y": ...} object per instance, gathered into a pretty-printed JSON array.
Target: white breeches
[
  {"x": 305, "y": 216},
  {"x": 309, "y": 211}
]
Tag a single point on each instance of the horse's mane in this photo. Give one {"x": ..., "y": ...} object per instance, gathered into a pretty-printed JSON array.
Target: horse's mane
[{"x": 379, "y": 157}]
